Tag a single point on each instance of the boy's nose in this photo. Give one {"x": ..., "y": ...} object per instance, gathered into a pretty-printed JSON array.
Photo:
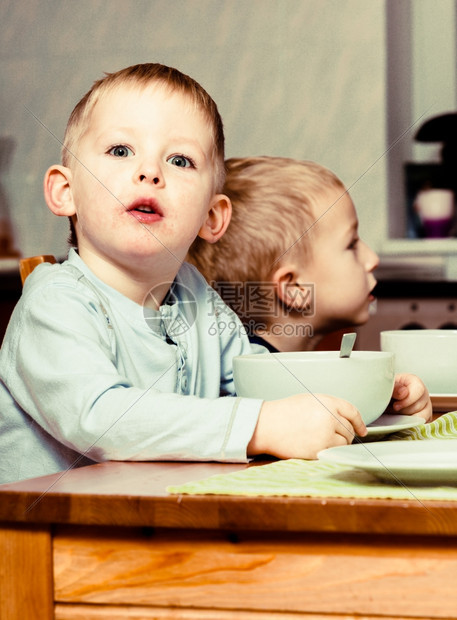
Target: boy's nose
[
  {"x": 155, "y": 179},
  {"x": 150, "y": 174},
  {"x": 371, "y": 258}
]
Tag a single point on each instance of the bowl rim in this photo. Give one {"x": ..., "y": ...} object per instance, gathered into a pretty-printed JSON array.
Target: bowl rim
[
  {"x": 432, "y": 333},
  {"x": 314, "y": 355}
]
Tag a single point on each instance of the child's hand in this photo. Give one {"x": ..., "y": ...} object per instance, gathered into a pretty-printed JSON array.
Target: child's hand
[
  {"x": 411, "y": 397},
  {"x": 302, "y": 425}
]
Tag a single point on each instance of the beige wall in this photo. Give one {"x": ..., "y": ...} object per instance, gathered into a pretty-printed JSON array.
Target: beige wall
[{"x": 298, "y": 78}]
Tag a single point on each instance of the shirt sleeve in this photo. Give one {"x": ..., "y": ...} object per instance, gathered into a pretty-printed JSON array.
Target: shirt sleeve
[{"x": 63, "y": 371}]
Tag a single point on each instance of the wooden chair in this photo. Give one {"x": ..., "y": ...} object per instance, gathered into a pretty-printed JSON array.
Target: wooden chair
[{"x": 27, "y": 265}]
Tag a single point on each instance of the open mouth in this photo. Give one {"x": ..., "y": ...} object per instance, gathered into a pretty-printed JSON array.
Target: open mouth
[{"x": 145, "y": 210}]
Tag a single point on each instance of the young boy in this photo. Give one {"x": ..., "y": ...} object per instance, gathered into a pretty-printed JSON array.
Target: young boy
[
  {"x": 114, "y": 355},
  {"x": 291, "y": 263}
]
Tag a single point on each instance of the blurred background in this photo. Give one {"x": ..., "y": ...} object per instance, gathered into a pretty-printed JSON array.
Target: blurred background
[
  {"x": 347, "y": 83},
  {"x": 337, "y": 81}
]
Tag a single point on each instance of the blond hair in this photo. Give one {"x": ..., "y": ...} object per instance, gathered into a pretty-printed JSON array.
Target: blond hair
[{"x": 272, "y": 200}]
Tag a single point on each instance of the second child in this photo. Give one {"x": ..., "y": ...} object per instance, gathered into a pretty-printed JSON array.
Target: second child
[{"x": 291, "y": 262}]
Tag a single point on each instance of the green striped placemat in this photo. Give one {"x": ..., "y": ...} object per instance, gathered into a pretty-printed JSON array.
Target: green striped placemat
[
  {"x": 444, "y": 427},
  {"x": 299, "y": 478}
]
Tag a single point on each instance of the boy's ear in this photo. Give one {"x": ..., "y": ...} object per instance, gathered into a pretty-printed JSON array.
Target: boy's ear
[
  {"x": 288, "y": 288},
  {"x": 57, "y": 190},
  {"x": 217, "y": 219}
]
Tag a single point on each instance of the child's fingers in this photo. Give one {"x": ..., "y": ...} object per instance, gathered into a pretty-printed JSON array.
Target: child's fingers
[
  {"x": 400, "y": 392},
  {"x": 407, "y": 403},
  {"x": 421, "y": 406},
  {"x": 354, "y": 425},
  {"x": 405, "y": 397},
  {"x": 343, "y": 440},
  {"x": 344, "y": 431}
]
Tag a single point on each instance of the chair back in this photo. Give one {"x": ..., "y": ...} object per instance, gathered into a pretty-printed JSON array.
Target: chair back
[{"x": 27, "y": 265}]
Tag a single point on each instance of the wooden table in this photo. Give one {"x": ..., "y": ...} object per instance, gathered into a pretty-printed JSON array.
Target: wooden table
[{"x": 107, "y": 541}]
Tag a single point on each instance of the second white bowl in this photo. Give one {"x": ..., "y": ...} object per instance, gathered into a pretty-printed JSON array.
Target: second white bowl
[{"x": 431, "y": 354}]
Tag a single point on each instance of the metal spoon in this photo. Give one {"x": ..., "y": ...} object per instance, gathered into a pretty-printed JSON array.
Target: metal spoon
[{"x": 347, "y": 344}]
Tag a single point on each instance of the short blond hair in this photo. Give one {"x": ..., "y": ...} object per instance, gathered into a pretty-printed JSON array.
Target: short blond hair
[{"x": 272, "y": 200}]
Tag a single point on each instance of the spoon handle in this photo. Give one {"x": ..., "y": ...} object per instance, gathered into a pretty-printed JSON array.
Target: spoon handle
[{"x": 347, "y": 344}]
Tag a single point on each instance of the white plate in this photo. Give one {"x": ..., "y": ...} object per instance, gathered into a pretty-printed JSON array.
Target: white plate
[
  {"x": 418, "y": 462},
  {"x": 388, "y": 423},
  {"x": 442, "y": 403}
]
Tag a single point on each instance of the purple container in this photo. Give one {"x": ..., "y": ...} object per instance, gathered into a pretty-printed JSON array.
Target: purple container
[{"x": 437, "y": 228}]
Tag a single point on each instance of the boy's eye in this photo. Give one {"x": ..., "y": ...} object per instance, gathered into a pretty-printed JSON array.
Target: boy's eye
[
  {"x": 181, "y": 161},
  {"x": 353, "y": 244},
  {"x": 120, "y": 150}
]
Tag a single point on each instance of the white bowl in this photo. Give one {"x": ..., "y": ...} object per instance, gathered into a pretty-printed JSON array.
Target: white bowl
[
  {"x": 366, "y": 379},
  {"x": 431, "y": 354}
]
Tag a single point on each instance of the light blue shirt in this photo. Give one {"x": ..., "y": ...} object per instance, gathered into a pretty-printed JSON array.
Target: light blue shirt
[{"x": 89, "y": 375}]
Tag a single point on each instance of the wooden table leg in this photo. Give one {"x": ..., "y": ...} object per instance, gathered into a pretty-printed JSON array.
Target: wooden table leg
[{"x": 26, "y": 580}]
